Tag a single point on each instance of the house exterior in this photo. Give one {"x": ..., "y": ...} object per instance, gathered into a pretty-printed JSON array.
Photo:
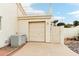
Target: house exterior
[
  {"x": 9, "y": 13},
  {"x": 14, "y": 21},
  {"x": 37, "y": 28}
]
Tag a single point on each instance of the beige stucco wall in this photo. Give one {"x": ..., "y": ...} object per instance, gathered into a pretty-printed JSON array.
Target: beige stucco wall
[
  {"x": 53, "y": 34},
  {"x": 25, "y": 25},
  {"x": 8, "y": 12},
  {"x": 48, "y": 31}
]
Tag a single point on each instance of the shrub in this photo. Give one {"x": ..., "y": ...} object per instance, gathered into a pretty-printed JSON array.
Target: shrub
[
  {"x": 61, "y": 24},
  {"x": 68, "y": 25},
  {"x": 76, "y": 23},
  {"x": 55, "y": 21}
]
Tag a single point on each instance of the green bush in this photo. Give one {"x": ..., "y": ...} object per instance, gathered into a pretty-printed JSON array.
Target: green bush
[
  {"x": 75, "y": 23},
  {"x": 61, "y": 24},
  {"x": 68, "y": 25}
]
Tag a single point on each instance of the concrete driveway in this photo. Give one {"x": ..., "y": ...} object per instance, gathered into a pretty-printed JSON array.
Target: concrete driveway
[{"x": 44, "y": 49}]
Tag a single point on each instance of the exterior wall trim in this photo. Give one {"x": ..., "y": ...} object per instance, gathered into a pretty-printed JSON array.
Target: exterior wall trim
[{"x": 34, "y": 17}]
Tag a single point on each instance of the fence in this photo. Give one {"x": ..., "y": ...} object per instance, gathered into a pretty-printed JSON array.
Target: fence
[
  {"x": 71, "y": 32},
  {"x": 57, "y": 34}
]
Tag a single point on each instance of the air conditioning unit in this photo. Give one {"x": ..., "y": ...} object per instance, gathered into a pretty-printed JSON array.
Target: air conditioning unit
[{"x": 17, "y": 41}]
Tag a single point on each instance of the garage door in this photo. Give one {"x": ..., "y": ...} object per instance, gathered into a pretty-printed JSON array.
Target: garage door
[{"x": 37, "y": 31}]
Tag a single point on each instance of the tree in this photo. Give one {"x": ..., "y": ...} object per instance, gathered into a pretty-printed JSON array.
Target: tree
[
  {"x": 68, "y": 25},
  {"x": 55, "y": 21},
  {"x": 61, "y": 24},
  {"x": 75, "y": 23}
]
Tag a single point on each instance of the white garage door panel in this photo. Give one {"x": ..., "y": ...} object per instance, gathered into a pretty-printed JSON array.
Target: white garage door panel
[{"x": 37, "y": 31}]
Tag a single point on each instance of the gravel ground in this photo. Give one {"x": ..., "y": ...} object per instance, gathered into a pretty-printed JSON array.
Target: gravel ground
[{"x": 73, "y": 45}]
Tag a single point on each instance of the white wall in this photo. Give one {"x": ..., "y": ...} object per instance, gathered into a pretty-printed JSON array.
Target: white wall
[
  {"x": 57, "y": 34},
  {"x": 71, "y": 32},
  {"x": 8, "y": 11}
]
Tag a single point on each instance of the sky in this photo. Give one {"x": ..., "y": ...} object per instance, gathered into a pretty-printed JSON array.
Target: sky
[{"x": 64, "y": 12}]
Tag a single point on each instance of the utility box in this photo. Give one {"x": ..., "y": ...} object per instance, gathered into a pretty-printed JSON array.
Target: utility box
[{"x": 17, "y": 41}]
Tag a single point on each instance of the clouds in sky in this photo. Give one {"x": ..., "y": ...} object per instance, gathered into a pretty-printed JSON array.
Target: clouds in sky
[
  {"x": 30, "y": 11},
  {"x": 74, "y": 13},
  {"x": 63, "y": 12},
  {"x": 60, "y": 18}
]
